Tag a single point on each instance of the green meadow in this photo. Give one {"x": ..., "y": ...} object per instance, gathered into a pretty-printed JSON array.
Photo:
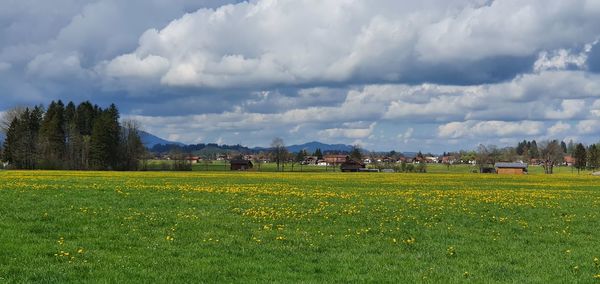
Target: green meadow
[{"x": 446, "y": 226}]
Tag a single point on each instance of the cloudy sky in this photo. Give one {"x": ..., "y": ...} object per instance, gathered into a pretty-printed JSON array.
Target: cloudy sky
[{"x": 430, "y": 75}]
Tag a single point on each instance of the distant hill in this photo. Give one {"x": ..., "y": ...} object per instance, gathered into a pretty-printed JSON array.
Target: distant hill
[
  {"x": 150, "y": 140},
  {"x": 311, "y": 147},
  {"x": 410, "y": 154}
]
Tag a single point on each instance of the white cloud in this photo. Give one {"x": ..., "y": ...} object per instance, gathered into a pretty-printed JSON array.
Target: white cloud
[
  {"x": 560, "y": 60},
  {"x": 455, "y": 130},
  {"x": 351, "y": 133},
  {"x": 130, "y": 66},
  {"x": 50, "y": 65},
  {"x": 558, "y": 128},
  {"x": 588, "y": 126},
  {"x": 407, "y": 135},
  {"x": 465, "y": 112},
  {"x": 258, "y": 43},
  {"x": 192, "y": 72},
  {"x": 569, "y": 109}
]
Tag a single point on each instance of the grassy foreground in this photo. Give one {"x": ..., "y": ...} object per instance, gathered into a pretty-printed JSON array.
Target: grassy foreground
[{"x": 298, "y": 227}]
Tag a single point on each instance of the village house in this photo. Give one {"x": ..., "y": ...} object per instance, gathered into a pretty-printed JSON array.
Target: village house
[
  {"x": 335, "y": 159},
  {"x": 569, "y": 160},
  {"x": 431, "y": 160},
  {"x": 193, "y": 159},
  {"x": 511, "y": 168},
  {"x": 448, "y": 160},
  {"x": 310, "y": 160},
  {"x": 535, "y": 162},
  {"x": 388, "y": 160},
  {"x": 240, "y": 165},
  {"x": 352, "y": 165}
]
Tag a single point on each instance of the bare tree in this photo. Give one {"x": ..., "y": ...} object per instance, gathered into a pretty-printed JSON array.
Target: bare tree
[
  {"x": 279, "y": 152},
  {"x": 553, "y": 154},
  {"x": 132, "y": 148},
  {"x": 487, "y": 156},
  {"x": 8, "y": 116}
]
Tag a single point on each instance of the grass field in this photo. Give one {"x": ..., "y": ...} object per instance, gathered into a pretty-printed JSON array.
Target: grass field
[
  {"x": 216, "y": 166},
  {"x": 298, "y": 227}
]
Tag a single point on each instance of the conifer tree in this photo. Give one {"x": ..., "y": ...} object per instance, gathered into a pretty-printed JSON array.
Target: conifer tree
[
  {"x": 318, "y": 154},
  {"x": 105, "y": 139},
  {"x": 594, "y": 157},
  {"x": 580, "y": 156},
  {"x": 52, "y": 137}
]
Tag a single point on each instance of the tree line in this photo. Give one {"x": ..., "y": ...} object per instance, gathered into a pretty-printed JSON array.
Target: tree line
[
  {"x": 82, "y": 137},
  {"x": 586, "y": 157}
]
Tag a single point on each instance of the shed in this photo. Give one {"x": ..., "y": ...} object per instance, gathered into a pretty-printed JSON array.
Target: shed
[
  {"x": 351, "y": 165},
  {"x": 241, "y": 165},
  {"x": 511, "y": 168}
]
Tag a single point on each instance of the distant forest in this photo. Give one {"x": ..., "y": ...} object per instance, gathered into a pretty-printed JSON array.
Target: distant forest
[
  {"x": 166, "y": 148},
  {"x": 82, "y": 137}
]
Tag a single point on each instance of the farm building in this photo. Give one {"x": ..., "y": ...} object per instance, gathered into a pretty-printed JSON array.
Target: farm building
[
  {"x": 335, "y": 159},
  {"x": 192, "y": 159},
  {"x": 511, "y": 168},
  {"x": 569, "y": 160},
  {"x": 351, "y": 165},
  {"x": 240, "y": 165}
]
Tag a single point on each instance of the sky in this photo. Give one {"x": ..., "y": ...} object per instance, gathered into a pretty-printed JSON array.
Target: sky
[{"x": 429, "y": 75}]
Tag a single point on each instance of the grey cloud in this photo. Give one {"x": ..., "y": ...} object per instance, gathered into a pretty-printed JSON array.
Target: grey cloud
[
  {"x": 461, "y": 42},
  {"x": 593, "y": 61},
  {"x": 338, "y": 71}
]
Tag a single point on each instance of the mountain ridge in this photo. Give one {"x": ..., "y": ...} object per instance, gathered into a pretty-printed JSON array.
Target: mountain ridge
[
  {"x": 150, "y": 140},
  {"x": 312, "y": 146}
]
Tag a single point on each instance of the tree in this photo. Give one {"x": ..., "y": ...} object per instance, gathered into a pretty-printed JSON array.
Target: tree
[
  {"x": 86, "y": 113},
  {"x": 552, "y": 154},
  {"x": 131, "y": 147},
  {"x": 20, "y": 146},
  {"x": 466, "y": 157},
  {"x": 487, "y": 156},
  {"x": 534, "y": 152},
  {"x": 300, "y": 158},
  {"x": 563, "y": 145},
  {"x": 355, "y": 153},
  {"x": 61, "y": 138},
  {"x": 105, "y": 139},
  {"x": 178, "y": 158},
  {"x": 318, "y": 154},
  {"x": 594, "y": 157},
  {"x": 9, "y": 116},
  {"x": 86, "y": 116},
  {"x": 279, "y": 152},
  {"x": 570, "y": 147},
  {"x": 52, "y": 137},
  {"x": 74, "y": 141},
  {"x": 580, "y": 156},
  {"x": 521, "y": 148},
  {"x": 10, "y": 142},
  {"x": 508, "y": 154}
]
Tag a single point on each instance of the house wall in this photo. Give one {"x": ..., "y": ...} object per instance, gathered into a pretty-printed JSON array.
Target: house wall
[
  {"x": 509, "y": 171},
  {"x": 238, "y": 167}
]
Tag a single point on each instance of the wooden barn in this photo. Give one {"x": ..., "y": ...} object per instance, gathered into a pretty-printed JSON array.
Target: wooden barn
[
  {"x": 511, "y": 168},
  {"x": 351, "y": 165},
  {"x": 240, "y": 165}
]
